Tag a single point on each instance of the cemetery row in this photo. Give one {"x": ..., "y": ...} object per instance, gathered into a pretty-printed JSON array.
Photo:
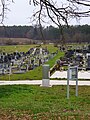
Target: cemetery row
[
  {"x": 79, "y": 56},
  {"x": 20, "y": 62}
]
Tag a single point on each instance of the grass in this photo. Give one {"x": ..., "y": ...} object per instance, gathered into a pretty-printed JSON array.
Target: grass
[
  {"x": 52, "y": 61},
  {"x": 13, "y": 48},
  {"x": 24, "y": 48},
  {"x": 41, "y": 103}
]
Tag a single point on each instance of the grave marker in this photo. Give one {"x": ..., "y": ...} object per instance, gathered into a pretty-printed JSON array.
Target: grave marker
[
  {"x": 88, "y": 62},
  {"x": 27, "y": 67}
]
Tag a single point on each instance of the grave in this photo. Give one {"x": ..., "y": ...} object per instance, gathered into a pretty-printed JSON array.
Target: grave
[
  {"x": 89, "y": 47},
  {"x": 19, "y": 72},
  {"x": 88, "y": 63},
  {"x": 33, "y": 58},
  {"x": 4, "y": 68},
  {"x": 69, "y": 53}
]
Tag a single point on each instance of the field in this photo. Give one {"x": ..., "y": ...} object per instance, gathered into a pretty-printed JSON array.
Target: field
[
  {"x": 24, "y": 48},
  {"x": 16, "y": 41},
  {"x": 40, "y": 103}
]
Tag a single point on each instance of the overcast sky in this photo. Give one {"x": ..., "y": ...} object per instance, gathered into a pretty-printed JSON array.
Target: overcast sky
[{"x": 20, "y": 11}]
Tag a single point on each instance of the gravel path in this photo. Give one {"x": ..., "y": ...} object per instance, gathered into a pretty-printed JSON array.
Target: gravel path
[
  {"x": 63, "y": 74},
  {"x": 39, "y": 82}
]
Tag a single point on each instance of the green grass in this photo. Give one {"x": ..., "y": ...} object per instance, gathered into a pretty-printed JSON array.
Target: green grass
[
  {"x": 13, "y": 48},
  {"x": 24, "y": 48},
  {"x": 36, "y": 101},
  {"x": 35, "y": 74},
  {"x": 53, "y": 61}
]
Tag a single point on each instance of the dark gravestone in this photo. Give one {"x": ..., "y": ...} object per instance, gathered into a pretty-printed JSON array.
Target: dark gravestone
[
  {"x": 1, "y": 60},
  {"x": 69, "y": 53},
  {"x": 88, "y": 63},
  {"x": 79, "y": 58},
  {"x": 40, "y": 62},
  {"x": 1, "y": 65},
  {"x": 84, "y": 51},
  {"x": 79, "y": 61},
  {"x": 6, "y": 59},
  {"x": 32, "y": 61},
  {"x": 88, "y": 47},
  {"x": 3, "y": 71}
]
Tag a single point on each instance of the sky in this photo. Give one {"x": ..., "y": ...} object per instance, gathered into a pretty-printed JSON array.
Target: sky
[{"x": 20, "y": 12}]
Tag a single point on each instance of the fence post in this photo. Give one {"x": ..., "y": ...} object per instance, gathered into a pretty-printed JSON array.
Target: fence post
[{"x": 45, "y": 75}]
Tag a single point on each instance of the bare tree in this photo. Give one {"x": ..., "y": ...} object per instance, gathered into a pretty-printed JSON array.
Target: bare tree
[
  {"x": 3, "y": 7},
  {"x": 2, "y": 10},
  {"x": 59, "y": 12}
]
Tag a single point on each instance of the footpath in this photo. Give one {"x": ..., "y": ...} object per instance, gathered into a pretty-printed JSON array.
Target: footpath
[{"x": 39, "y": 82}]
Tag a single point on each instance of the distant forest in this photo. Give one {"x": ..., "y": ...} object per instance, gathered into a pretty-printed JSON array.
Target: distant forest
[{"x": 72, "y": 34}]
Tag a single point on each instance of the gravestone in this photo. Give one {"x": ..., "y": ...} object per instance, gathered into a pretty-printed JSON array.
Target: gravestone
[
  {"x": 9, "y": 72},
  {"x": 1, "y": 65},
  {"x": 79, "y": 60},
  {"x": 69, "y": 53},
  {"x": 27, "y": 67},
  {"x": 39, "y": 62},
  {"x": 32, "y": 61},
  {"x": 40, "y": 51},
  {"x": 88, "y": 63},
  {"x": 89, "y": 47},
  {"x": 3, "y": 71},
  {"x": 33, "y": 53}
]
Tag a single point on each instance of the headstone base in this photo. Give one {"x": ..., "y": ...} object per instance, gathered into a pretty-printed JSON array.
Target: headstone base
[{"x": 45, "y": 83}]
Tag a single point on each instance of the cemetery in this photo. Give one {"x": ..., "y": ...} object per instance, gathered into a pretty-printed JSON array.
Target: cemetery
[
  {"x": 21, "y": 62},
  {"x": 74, "y": 57}
]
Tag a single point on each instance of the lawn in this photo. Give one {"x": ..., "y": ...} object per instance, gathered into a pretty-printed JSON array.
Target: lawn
[
  {"x": 25, "y": 48},
  {"x": 13, "y": 48},
  {"x": 28, "y": 102}
]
